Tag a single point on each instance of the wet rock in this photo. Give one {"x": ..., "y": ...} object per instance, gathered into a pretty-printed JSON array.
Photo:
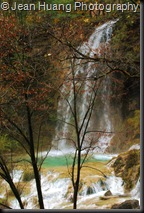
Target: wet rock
[
  {"x": 107, "y": 197},
  {"x": 104, "y": 197},
  {"x": 128, "y": 204},
  {"x": 103, "y": 185},
  {"x": 127, "y": 166},
  {"x": 125, "y": 195},
  {"x": 89, "y": 191},
  {"x": 108, "y": 193}
]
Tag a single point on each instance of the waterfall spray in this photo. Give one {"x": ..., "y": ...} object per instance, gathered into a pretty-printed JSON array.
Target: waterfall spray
[{"x": 92, "y": 48}]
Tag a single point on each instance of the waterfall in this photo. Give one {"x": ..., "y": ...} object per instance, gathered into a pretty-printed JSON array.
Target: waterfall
[{"x": 101, "y": 119}]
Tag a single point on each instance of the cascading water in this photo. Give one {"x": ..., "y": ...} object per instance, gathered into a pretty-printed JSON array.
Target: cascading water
[
  {"x": 56, "y": 191},
  {"x": 87, "y": 71},
  {"x": 56, "y": 194}
]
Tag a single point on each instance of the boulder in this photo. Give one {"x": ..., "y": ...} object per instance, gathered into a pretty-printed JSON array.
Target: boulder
[
  {"x": 128, "y": 204},
  {"x": 108, "y": 193},
  {"x": 127, "y": 166}
]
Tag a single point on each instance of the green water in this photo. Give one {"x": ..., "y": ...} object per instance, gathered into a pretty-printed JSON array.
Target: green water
[
  {"x": 62, "y": 161},
  {"x": 57, "y": 161}
]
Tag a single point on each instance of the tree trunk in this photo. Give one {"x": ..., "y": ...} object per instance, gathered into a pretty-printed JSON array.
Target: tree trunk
[
  {"x": 76, "y": 186},
  {"x": 7, "y": 177},
  {"x": 16, "y": 193},
  {"x": 33, "y": 159},
  {"x": 38, "y": 181}
]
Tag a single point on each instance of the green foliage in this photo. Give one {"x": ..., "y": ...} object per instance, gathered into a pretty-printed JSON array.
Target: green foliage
[
  {"x": 7, "y": 144},
  {"x": 126, "y": 39}
]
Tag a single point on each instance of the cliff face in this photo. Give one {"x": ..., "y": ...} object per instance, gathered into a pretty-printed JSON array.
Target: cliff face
[{"x": 127, "y": 166}]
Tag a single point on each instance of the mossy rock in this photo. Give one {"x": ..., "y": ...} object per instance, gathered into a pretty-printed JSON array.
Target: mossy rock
[
  {"x": 132, "y": 159},
  {"x": 127, "y": 166},
  {"x": 118, "y": 165}
]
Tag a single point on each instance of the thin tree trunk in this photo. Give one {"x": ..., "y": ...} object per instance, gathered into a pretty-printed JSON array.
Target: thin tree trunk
[
  {"x": 76, "y": 186},
  {"x": 33, "y": 159},
  {"x": 38, "y": 182},
  {"x": 17, "y": 195},
  {"x": 7, "y": 177}
]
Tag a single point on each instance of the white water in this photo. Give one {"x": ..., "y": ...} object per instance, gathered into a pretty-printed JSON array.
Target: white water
[
  {"x": 56, "y": 196},
  {"x": 135, "y": 193},
  {"x": 98, "y": 40},
  {"x": 16, "y": 175},
  {"x": 53, "y": 188},
  {"x": 56, "y": 193},
  {"x": 135, "y": 146},
  {"x": 104, "y": 157}
]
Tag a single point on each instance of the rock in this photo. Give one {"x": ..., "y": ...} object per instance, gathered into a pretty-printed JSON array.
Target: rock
[
  {"x": 128, "y": 204},
  {"x": 89, "y": 191},
  {"x": 108, "y": 193},
  {"x": 102, "y": 184},
  {"x": 107, "y": 197},
  {"x": 125, "y": 195},
  {"x": 127, "y": 166},
  {"x": 104, "y": 198}
]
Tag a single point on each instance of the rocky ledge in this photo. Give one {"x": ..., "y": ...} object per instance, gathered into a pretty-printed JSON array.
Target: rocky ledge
[
  {"x": 128, "y": 204},
  {"x": 127, "y": 166}
]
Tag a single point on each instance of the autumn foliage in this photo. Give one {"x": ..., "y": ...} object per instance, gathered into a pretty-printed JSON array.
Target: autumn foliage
[{"x": 9, "y": 34}]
